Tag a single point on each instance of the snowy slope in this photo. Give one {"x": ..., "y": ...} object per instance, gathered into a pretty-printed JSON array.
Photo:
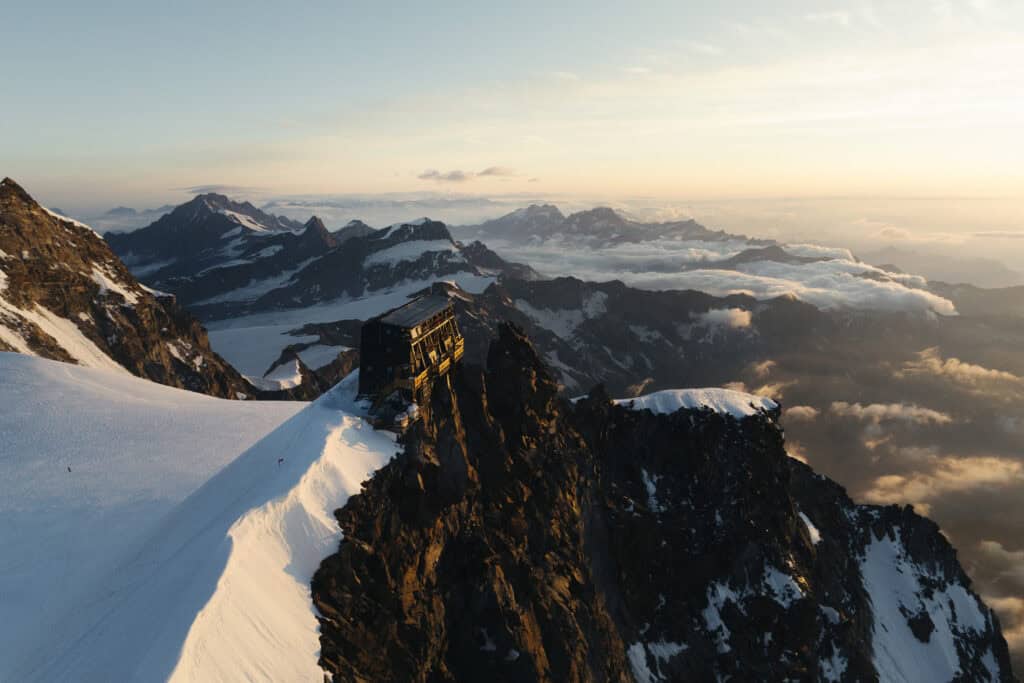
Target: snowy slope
[
  {"x": 252, "y": 342},
  {"x": 145, "y": 562},
  {"x": 725, "y": 401},
  {"x": 897, "y": 588}
]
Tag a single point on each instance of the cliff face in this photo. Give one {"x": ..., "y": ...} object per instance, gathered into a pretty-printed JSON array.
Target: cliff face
[
  {"x": 521, "y": 537},
  {"x": 64, "y": 295}
]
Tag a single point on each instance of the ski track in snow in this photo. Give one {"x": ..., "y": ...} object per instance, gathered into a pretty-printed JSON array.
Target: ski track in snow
[{"x": 138, "y": 564}]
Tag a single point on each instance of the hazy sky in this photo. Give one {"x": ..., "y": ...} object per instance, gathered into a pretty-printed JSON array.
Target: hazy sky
[{"x": 127, "y": 102}]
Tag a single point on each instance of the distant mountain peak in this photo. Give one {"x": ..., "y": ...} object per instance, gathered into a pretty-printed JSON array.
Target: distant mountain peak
[
  {"x": 533, "y": 210},
  {"x": 599, "y": 212},
  {"x": 314, "y": 223}
]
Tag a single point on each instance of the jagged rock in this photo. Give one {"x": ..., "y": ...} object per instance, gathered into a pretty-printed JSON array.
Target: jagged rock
[
  {"x": 223, "y": 258},
  {"x": 64, "y": 295},
  {"x": 521, "y": 537}
]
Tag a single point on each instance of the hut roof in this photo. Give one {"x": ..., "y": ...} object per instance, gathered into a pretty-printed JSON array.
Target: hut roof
[{"x": 415, "y": 312}]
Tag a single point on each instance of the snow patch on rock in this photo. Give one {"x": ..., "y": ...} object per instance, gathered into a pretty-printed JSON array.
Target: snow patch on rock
[
  {"x": 723, "y": 401},
  {"x": 410, "y": 251},
  {"x": 811, "y": 529},
  {"x": 900, "y": 589},
  {"x": 108, "y": 284},
  {"x": 563, "y": 322}
]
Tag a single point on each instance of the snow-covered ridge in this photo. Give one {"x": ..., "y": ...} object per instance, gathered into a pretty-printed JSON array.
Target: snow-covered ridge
[
  {"x": 137, "y": 564},
  {"x": 723, "y": 401},
  {"x": 244, "y": 221},
  {"x": 71, "y": 220},
  {"x": 410, "y": 251}
]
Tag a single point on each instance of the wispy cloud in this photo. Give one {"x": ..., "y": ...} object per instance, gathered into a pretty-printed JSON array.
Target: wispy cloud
[
  {"x": 931, "y": 362},
  {"x": 938, "y": 475},
  {"x": 1000, "y": 235},
  {"x": 459, "y": 176},
  {"x": 881, "y": 412},
  {"x": 1010, "y": 562},
  {"x": 218, "y": 189},
  {"x": 443, "y": 177},
  {"x": 497, "y": 171},
  {"x": 802, "y": 413},
  {"x": 1011, "y": 617},
  {"x": 763, "y": 369}
]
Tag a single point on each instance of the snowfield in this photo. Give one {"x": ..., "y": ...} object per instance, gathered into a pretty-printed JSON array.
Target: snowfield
[
  {"x": 252, "y": 342},
  {"x": 896, "y": 588},
  {"x": 724, "y": 401},
  {"x": 410, "y": 251},
  {"x": 152, "y": 533}
]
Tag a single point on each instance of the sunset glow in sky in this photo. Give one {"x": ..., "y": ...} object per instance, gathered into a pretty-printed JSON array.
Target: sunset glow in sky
[{"x": 128, "y": 104}]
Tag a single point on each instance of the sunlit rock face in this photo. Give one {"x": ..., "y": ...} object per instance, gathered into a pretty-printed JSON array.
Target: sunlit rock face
[
  {"x": 64, "y": 295},
  {"x": 523, "y": 537}
]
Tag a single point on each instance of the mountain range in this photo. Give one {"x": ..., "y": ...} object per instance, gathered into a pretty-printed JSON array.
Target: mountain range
[
  {"x": 512, "y": 533},
  {"x": 224, "y": 258},
  {"x": 600, "y": 226}
]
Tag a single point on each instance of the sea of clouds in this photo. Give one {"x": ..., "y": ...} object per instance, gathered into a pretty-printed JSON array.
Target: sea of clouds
[{"x": 836, "y": 280}]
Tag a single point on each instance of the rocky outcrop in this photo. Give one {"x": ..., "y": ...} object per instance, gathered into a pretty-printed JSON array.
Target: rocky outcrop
[
  {"x": 521, "y": 537},
  {"x": 64, "y": 295}
]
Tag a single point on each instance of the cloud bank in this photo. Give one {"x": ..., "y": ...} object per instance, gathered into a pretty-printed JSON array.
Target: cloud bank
[
  {"x": 931, "y": 362},
  {"x": 835, "y": 281},
  {"x": 802, "y": 413},
  {"x": 941, "y": 475},
  {"x": 880, "y": 412}
]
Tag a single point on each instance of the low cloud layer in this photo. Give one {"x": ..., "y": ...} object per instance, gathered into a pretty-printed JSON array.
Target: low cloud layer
[
  {"x": 732, "y": 318},
  {"x": 931, "y": 362},
  {"x": 1005, "y": 588},
  {"x": 1011, "y": 617},
  {"x": 1008, "y": 564},
  {"x": 880, "y": 412},
  {"x": 497, "y": 172},
  {"x": 763, "y": 369},
  {"x": 802, "y": 413},
  {"x": 837, "y": 281},
  {"x": 940, "y": 475}
]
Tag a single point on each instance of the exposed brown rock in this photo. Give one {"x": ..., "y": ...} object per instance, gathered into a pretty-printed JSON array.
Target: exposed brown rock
[
  {"x": 55, "y": 264},
  {"x": 523, "y": 538}
]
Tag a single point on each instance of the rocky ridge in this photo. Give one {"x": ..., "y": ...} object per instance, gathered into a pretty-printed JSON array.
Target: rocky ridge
[
  {"x": 65, "y": 296},
  {"x": 523, "y": 537},
  {"x": 224, "y": 259}
]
